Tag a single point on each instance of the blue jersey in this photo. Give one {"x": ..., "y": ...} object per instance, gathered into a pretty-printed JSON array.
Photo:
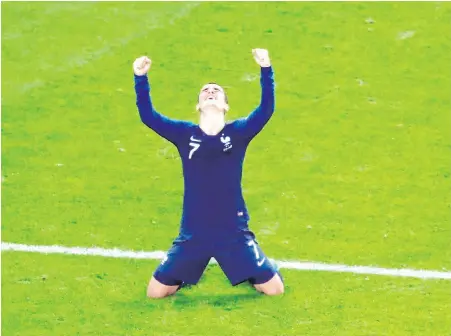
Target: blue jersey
[{"x": 213, "y": 203}]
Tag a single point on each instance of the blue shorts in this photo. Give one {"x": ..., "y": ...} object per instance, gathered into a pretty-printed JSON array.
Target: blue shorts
[{"x": 241, "y": 260}]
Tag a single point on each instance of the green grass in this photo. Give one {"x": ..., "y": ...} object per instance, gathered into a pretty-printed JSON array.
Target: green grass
[
  {"x": 353, "y": 168},
  {"x": 64, "y": 295}
]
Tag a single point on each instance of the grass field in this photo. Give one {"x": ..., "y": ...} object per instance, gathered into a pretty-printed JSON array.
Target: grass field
[{"x": 353, "y": 168}]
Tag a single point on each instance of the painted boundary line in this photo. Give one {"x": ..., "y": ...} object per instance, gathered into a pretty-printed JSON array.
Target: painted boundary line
[{"x": 295, "y": 265}]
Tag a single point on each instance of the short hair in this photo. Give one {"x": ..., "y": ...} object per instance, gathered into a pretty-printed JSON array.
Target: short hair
[{"x": 225, "y": 94}]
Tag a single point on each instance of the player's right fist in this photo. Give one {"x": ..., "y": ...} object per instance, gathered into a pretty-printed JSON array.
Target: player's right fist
[
  {"x": 261, "y": 57},
  {"x": 141, "y": 65}
]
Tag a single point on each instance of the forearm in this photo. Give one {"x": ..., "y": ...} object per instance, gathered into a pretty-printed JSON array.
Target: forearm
[
  {"x": 267, "y": 102},
  {"x": 159, "y": 123},
  {"x": 255, "y": 122},
  {"x": 143, "y": 100}
]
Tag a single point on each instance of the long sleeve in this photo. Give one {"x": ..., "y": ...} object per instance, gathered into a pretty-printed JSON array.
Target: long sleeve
[
  {"x": 251, "y": 125},
  {"x": 169, "y": 129}
]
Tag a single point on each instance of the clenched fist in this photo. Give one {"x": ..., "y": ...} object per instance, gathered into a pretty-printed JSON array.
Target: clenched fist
[
  {"x": 141, "y": 65},
  {"x": 261, "y": 57}
]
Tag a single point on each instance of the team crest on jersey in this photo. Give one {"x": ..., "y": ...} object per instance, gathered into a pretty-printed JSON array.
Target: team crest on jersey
[{"x": 226, "y": 140}]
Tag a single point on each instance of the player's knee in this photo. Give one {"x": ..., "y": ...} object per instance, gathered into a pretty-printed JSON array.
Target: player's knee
[
  {"x": 156, "y": 290},
  {"x": 156, "y": 293},
  {"x": 273, "y": 287},
  {"x": 273, "y": 290},
  {"x": 159, "y": 293}
]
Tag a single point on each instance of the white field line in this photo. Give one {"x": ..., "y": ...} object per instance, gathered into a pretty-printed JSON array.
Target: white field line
[{"x": 296, "y": 265}]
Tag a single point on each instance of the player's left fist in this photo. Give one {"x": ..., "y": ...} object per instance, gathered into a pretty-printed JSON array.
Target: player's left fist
[
  {"x": 261, "y": 57},
  {"x": 141, "y": 65}
]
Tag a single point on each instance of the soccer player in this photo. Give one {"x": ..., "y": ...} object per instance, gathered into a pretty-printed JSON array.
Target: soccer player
[{"x": 214, "y": 221}]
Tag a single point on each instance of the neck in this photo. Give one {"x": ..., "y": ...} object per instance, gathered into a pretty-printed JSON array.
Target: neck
[{"x": 212, "y": 121}]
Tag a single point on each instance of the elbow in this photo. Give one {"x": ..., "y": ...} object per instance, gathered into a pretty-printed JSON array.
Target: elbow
[
  {"x": 145, "y": 112},
  {"x": 270, "y": 107},
  {"x": 145, "y": 120},
  {"x": 273, "y": 104},
  {"x": 268, "y": 101}
]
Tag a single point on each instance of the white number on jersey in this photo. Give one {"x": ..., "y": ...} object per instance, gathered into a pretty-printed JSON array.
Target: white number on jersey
[
  {"x": 257, "y": 255},
  {"x": 195, "y": 148}
]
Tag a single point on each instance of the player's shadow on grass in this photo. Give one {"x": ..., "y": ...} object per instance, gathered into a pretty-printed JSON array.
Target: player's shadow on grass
[
  {"x": 182, "y": 301},
  {"x": 229, "y": 301}
]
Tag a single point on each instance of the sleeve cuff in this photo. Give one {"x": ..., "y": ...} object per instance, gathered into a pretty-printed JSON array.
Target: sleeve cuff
[
  {"x": 266, "y": 70},
  {"x": 140, "y": 78}
]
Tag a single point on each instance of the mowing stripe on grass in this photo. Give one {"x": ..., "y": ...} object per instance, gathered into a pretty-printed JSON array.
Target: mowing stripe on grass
[
  {"x": 81, "y": 58},
  {"x": 296, "y": 265}
]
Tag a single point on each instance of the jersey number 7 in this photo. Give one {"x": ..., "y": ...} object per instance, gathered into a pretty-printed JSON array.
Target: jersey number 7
[
  {"x": 257, "y": 254},
  {"x": 195, "y": 148}
]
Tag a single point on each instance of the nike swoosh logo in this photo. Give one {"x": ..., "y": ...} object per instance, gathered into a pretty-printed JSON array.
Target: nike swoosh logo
[
  {"x": 259, "y": 263},
  {"x": 193, "y": 139}
]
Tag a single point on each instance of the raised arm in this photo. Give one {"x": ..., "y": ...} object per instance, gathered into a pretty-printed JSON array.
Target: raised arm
[
  {"x": 251, "y": 125},
  {"x": 169, "y": 129}
]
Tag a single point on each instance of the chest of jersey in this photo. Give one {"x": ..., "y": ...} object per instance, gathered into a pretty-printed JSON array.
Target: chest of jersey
[{"x": 207, "y": 147}]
